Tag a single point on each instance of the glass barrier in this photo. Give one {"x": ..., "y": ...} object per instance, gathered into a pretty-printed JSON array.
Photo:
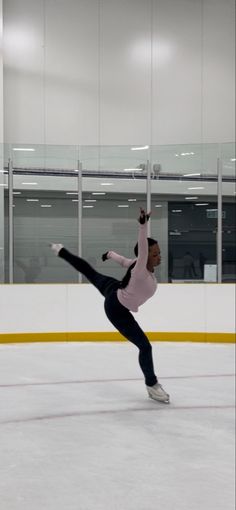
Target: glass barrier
[
  {"x": 2, "y": 186},
  {"x": 228, "y": 159},
  {"x": 183, "y": 196},
  {"x": 179, "y": 183},
  {"x": 114, "y": 188},
  {"x": 45, "y": 196}
]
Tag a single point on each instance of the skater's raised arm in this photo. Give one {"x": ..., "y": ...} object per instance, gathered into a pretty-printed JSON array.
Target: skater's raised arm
[{"x": 142, "y": 242}]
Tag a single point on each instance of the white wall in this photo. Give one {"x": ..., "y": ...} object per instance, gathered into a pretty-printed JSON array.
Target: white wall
[
  {"x": 206, "y": 308},
  {"x": 118, "y": 72}
]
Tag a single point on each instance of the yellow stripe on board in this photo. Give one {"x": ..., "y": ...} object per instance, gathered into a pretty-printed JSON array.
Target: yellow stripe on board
[{"x": 115, "y": 337}]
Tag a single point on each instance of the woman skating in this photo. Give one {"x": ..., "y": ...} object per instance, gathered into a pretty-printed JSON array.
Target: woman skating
[{"x": 124, "y": 297}]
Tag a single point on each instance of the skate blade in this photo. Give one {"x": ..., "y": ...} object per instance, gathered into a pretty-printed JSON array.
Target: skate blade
[{"x": 166, "y": 401}]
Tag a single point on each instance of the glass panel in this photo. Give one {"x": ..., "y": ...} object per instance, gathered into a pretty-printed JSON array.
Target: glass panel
[
  {"x": 184, "y": 208},
  {"x": 5, "y": 206},
  {"x": 184, "y": 193},
  {"x": 228, "y": 213},
  {"x": 114, "y": 188},
  {"x": 45, "y": 211},
  {"x": 2, "y": 187}
]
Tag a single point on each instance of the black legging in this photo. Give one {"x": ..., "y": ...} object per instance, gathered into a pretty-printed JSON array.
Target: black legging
[{"x": 117, "y": 314}]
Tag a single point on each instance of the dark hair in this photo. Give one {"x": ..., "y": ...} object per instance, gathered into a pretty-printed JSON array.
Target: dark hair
[
  {"x": 124, "y": 282},
  {"x": 151, "y": 242}
]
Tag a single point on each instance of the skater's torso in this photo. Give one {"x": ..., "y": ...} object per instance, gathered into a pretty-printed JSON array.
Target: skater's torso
[{"x": 142, "y": 284}]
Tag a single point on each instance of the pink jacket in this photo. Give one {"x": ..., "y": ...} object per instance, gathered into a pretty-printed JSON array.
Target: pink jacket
[{"x": 142, "y": 284}]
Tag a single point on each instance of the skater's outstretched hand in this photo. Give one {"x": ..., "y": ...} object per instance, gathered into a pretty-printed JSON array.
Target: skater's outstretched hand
[
  {"x": 104, "y": 256},
  {"x": 144, "y": 217}
]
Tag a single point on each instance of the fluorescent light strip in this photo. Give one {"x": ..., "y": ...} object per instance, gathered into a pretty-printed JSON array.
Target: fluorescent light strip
[
  {"x": 176, "y": 210},
  {"x": 25, "y": 149},
  {"x": 88, "y": 206},
  {"x": 123, "y": 206},
  {"x": 132, "y": 169},
  {"x": 98, "y": 193},
  {"x": 201, "y": 204},
  {"x": 90, "y": 200},
  {"x": 158, "y": 205},
  {"x": 30, "y": 183},
  {"x": 46, "y": 205},
  {"x": 106, "y": 183},
  {"x": 132, "y": 199},
  {"x": 197, "y": 187},
  {"x": 3, "y": 185},
  {"x": 191, "y": 175},
  {"x": 71, "y": 193},
  {"x": 32, "y": 200},
  {"x": 191, "y": 198},
  {"x": 145, "y": 147}
]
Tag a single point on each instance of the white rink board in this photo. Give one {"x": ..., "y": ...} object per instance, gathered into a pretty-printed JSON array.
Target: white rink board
[{"x": 79, "y": 307}]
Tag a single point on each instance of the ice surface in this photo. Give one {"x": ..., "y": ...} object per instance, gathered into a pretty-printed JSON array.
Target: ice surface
[{"x": 78, "y": 432}]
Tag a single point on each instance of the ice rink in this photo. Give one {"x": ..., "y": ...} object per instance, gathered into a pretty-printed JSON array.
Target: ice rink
[{"x": 78, "y": 432}]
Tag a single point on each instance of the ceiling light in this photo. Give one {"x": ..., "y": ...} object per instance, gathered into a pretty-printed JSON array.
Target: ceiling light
[
  {"x": 72, "y": 193},
  {"x": 158, "y": 205},
  {"x": 16, "y": 192},
  {"x": 4, "y": 185},
  {"x": 32, "y": 200},
  {"x": 176, "y": 210},
  {"x": 26, "y": 149},
  {"x": 106, "y": 183},
  {"x": 132, "y": 169},
  {"x": 98, "y": 193},
  {"x": 191, "y": 198},
  {"x": 232, "y": 159},
  {"x": 132, "y": 199},
  {"x": 88, "y": 206},
  {"x": 123, "y": 206},
  {"x": 90, "y": 200},
  {"x": 140, "y": 148},
  {"x": 197, "y": 187},
  {"x": 30, "y": 183},
  {"x": 46, "y": 205},
  {"x": 190, "y": 175},
  {"x": 202, "y": 204}
]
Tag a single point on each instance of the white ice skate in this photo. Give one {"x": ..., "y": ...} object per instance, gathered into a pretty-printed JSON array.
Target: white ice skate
[
  {"x": 157, "y": 393},
  {"x": 56, "y": 248}
]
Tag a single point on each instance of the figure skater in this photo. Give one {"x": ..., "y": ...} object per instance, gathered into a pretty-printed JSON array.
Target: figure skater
[{"x": 125, "y": 296}]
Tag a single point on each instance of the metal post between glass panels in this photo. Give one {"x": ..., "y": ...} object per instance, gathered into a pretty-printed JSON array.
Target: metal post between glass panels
[
  {"x": 219, "y": 221},
  {"x": 79, "y": 166},
  {"x": 148, "y": 191},
  {"x": 10, "y": 213}
]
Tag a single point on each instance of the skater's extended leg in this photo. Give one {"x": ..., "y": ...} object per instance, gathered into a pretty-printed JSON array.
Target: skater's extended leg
[
  {"x": 124, "y": 321},
  {"x": 102, "y": 282}
]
